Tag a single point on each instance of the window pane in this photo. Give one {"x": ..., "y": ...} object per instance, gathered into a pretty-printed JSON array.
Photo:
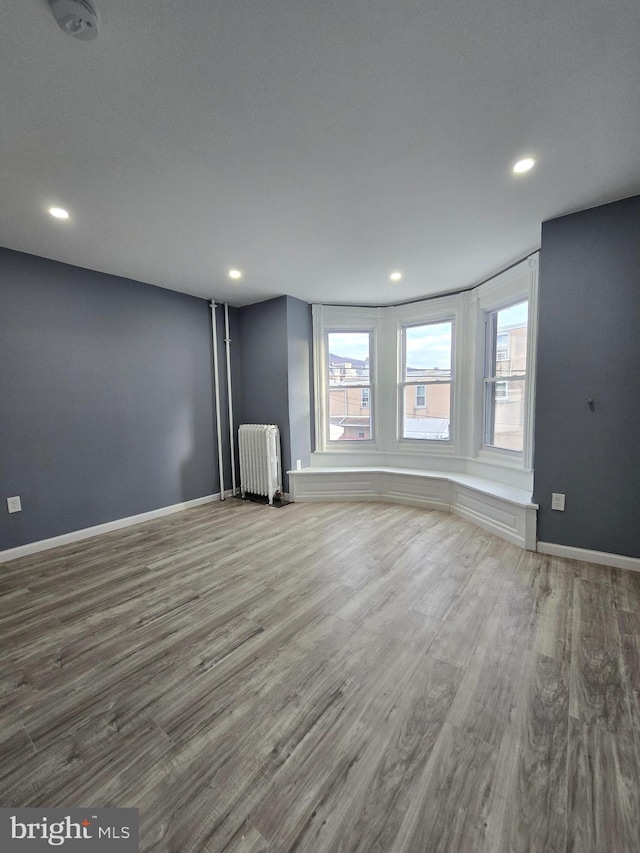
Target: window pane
[
  {"x": 429, "y": 419},
  {"x": 505, "y": 395},
  {"x": 511, "y": 340},
  {"x": 502, "y": 349},
  {"x": 428, "y": 352},
  {"x": 349, "y": 419},
  {"x": 349, "y": 390},
  {"x": 507, "y": 401},
  {"x": 349, "y": 354},
  {"x": 427, "y": 358}
]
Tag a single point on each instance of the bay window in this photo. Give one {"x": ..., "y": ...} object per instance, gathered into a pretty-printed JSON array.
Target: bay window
[{"x": 442, "y": 384}]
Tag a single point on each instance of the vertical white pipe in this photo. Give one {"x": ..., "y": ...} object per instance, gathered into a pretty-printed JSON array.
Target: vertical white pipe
[
  {"x": 227, "y": 342},
  {"x": 214, "y": 336}
]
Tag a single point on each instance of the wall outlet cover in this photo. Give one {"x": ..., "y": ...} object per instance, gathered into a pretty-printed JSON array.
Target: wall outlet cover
[
  {"x": 14, "y": 504},
  {"x": 557, "y": 501}
]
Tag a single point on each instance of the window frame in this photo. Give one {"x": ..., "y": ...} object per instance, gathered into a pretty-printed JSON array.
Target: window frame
[
  {"x": 403, "y": 383},
  {"x": 354, "y": 386},
  {"x": 329, "y": 319},
  {"x": 519, "y": 284},
  {"x": 491, "y": 378}
]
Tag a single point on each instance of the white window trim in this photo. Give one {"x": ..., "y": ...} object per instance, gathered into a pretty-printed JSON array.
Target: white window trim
[
  {"x": 326, "y": 319},
  {"x": 515, "y": 285},
  {"x": 441, "y": 309},
  {"x": 426, "y": 443},
  {"x": 354, "y": 386}
]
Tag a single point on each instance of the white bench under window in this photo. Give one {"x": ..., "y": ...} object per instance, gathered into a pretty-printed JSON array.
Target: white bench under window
[{"x": 501, "y": 509}]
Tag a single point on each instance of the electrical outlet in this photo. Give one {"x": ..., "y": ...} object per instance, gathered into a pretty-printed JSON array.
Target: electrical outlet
[
  {"x": 557, "y": 501},
  {"x": 14, "y": 505},
  {"x": 298, "y": 464}
]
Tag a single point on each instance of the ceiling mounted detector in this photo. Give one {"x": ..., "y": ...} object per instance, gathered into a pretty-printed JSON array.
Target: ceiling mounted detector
[{"x": 78, "y": 18}]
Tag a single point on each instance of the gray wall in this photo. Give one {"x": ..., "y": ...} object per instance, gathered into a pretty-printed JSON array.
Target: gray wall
[
  {"x": 106, "y": 398},
  {"x": 275, "y": 345},
  {"x": 264, "y": 370},
  {"x": 589, "y": 347}
]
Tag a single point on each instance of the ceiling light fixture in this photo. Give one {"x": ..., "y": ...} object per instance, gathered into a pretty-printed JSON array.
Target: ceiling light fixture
[
  {"x": 524, "y": 165},
  {"x": 395, "y": 276},
  {"x": 78, "y": 18},
  {"x": 235, "y": 274},
  {"x": 59, "y": 212}
]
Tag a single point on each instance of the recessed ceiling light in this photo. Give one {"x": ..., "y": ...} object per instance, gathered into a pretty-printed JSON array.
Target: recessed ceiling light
[
  {"x": 524, "y": 165},
  {"x": 59, "y": 212},
  {"x": 395, "y": 276},
  {"x": 235, "y": 274}
]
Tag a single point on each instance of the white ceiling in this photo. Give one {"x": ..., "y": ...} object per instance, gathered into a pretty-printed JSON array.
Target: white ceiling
[{"x": 315, "y": 144}]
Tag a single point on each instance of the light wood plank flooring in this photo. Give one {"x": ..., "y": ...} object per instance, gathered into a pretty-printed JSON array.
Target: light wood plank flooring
[{"x": 325, "y": 677}]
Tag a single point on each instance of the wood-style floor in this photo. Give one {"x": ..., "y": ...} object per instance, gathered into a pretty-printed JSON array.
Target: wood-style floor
[{"x": 326, "y": 677}]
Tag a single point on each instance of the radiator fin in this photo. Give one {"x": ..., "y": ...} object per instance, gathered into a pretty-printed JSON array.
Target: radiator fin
[{"x": 260, "y": 467}]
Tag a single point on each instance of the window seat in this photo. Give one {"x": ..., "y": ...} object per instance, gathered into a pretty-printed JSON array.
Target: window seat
[{"x": 504, "y": 510}]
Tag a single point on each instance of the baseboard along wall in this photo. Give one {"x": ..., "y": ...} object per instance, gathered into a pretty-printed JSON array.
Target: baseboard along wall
[{"x": 99, "y": 529}]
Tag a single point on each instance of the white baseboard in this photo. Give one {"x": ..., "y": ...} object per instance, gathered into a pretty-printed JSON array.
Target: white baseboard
[
  {"x": 618, "y": 561},
  {"x": 89, "y": 532}
]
